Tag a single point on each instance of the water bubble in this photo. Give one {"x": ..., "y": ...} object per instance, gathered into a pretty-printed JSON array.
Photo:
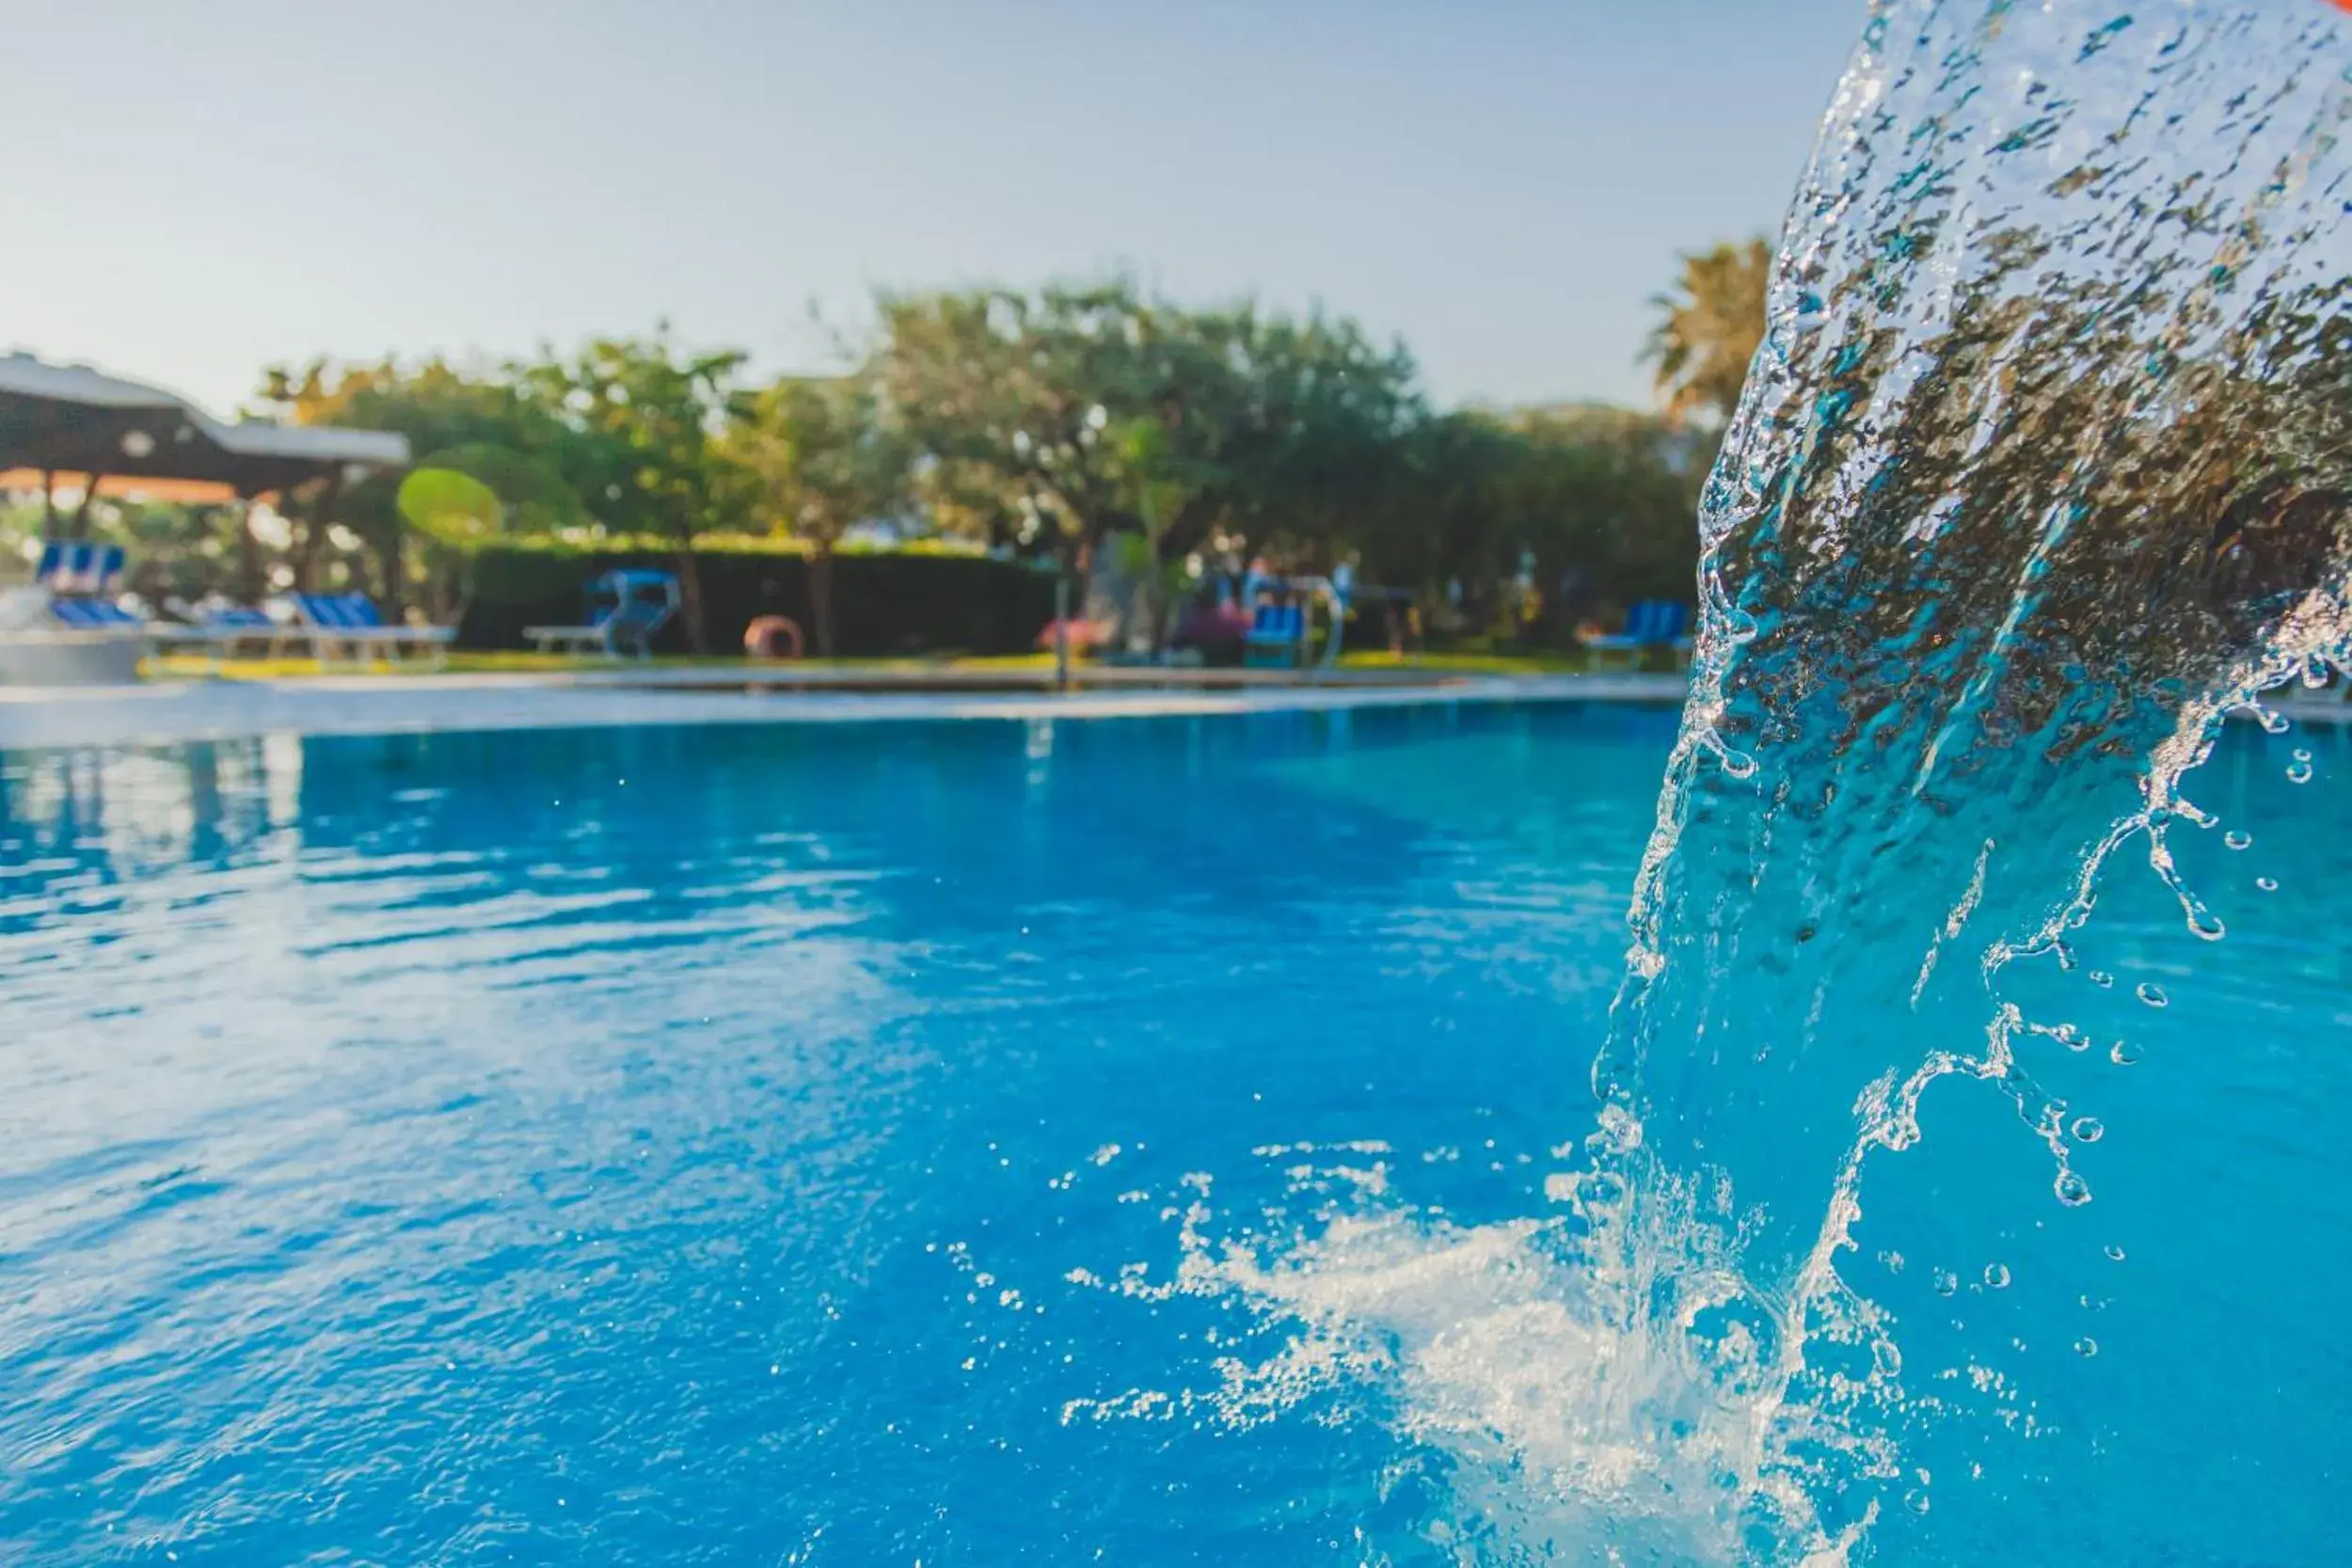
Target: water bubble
[
  {"x": 2274, "y": 722},
  {"x": 2299, "y": 770},
  {"x": 2100, "y": 978},
  {"x": 2268, "y": 884},
  {"x": 2121, "y": 1055},
  {"x": 2115, "y": 1254},
  {"x": 1997, "y": 1276},
  {"x": 1916, "y": 1499},
  {"x": 2071, "y": 1189},
  {"x": 2089, "y": 1130},
  {"x": 2237, "y": 838},
  {"x": 2152, "y": 993},
  {"x": 2086, "y": 1347},
  {"x": 1945, "y": 1282}
]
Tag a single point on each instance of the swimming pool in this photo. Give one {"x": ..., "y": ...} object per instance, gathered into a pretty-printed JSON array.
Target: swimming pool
[{"x": 977, "y": 1141}]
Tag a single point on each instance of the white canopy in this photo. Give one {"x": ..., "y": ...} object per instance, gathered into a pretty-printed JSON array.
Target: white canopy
[
  {"x": 317, "y": 443},
  {"x": 26, "y": 376},
  {"x": 70, "y": 418}
]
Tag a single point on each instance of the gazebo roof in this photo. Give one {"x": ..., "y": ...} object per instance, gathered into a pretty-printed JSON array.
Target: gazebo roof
[{"x": 70, "y": 418}]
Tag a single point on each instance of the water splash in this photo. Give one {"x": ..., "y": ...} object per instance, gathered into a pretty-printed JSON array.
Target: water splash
[{"x": 2040, "y": 474}]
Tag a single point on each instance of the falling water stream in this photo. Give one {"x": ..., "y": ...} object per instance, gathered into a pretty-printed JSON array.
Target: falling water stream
[
  {"x": 2040, "y": 474},
  {"x": 2040, "y": 477}
]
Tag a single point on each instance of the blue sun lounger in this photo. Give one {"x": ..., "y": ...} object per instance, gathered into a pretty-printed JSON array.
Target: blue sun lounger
[
  {"x": 626, "y": 607},
  {"x": 221, "y": 629},
  {"x": 81, "y": 567},
  {"x": 1277, "y": 637},
  {"x": 1651, "y": 624},
  {"x": 93, "y": 615},
  {"x": 80, "y": 576},
  {"x": 352, "y": 623}
]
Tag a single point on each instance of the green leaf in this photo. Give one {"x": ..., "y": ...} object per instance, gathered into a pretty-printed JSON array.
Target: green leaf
[{"x": 450, "y": 507}]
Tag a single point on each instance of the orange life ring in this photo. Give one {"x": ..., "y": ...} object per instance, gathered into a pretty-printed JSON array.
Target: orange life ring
[{"x": 760, "y": 637}]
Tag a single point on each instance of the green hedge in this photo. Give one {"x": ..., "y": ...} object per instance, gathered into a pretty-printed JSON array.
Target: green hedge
[{"x": 884, "y": 604}]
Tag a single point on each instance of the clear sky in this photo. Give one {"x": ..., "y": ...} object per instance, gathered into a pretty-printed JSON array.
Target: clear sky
[{"x": 197, "y": 190}]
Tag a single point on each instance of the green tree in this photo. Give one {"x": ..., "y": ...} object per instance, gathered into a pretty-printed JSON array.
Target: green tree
[
  {"x": 1605, "y": 501},
  {"x": 1050, "y": 421},
  {"x": 821, "y": 457},
  {"x": 639, "y": 421},
  {"x": 478, "y": 424},
  {"x": 1312, "y": 430},
  {"x": 1711, "y": 322},
  {"x": 1022, "y": 388},
  {"x": 1434, "y": 529}
]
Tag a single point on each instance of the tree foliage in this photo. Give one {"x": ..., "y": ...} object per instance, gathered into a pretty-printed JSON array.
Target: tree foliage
[
  {"x": 819, "y": 457},
  {"x": 1056, "y": 421}
]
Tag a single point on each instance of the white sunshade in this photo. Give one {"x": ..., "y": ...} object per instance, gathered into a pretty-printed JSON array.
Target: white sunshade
[
  {"x": 312, "y": 442},
  {"x": 22, "y": 376},
  {"x": 29, "y": 377}
]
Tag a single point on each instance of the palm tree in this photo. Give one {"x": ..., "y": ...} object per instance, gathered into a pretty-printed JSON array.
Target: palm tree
[{"x": 1714, "y": 319}]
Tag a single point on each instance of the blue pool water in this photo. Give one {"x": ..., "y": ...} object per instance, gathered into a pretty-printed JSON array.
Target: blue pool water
[{"x": 1129, "y": 1141}]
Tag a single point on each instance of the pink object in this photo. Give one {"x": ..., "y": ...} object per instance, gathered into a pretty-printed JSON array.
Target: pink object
[{"x": 1082, "y": 633}]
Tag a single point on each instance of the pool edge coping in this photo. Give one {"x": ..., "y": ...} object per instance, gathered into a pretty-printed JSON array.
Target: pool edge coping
[{"x": 177, "y": 713}]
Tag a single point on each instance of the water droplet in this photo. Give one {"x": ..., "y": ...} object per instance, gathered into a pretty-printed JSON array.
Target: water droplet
[
  {"x": 2071, "y": 1189},
  {"x": 1997, "y": 1276},
  {"x": 2268, "y": 884},
  {"x": 2100, "y": 978},
  {"x": 2086, "y": 1346},
  {"x": 2115, "y": 1254},
  {"x": 2089, "y": 1130},
  {"x": 2152, "y": 993},
  {"x": 2239, "y": 839},
  {"x": 1945, "y": 1282}
]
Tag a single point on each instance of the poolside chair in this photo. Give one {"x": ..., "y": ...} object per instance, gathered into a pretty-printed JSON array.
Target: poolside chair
[
  {"x": 83, "y": 567},
  {"x": 626, "y": 608},
  {"x": 1651, "y": 624},
  {"x": 351, "y": 622},
  {"x": 218, "y": 630},
  {"x": 79, "y": 576},
  {"x": 93, "y": 615},
  {"x": 1277, "y": 637}
]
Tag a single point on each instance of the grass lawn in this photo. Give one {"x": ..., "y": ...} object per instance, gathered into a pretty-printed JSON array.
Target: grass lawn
[
  {"x": 1471, "y": 663},
  {"x": 463, "y": 663},
  {"x": 505, "y": 663}
]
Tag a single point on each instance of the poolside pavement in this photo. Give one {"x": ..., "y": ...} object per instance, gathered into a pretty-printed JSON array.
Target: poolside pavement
[{"x": 168, "y": 711}]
